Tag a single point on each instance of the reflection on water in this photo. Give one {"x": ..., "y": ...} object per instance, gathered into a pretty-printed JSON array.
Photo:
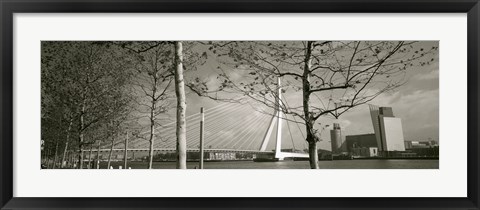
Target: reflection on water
[{"x": 336, "y": 164}]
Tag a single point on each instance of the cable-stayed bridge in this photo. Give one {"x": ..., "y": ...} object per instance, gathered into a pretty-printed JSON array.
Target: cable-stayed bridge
[{"x": 228, "y": 127}]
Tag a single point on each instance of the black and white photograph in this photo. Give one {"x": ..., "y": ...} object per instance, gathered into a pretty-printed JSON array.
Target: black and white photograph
[{"x": 240, "y": 104}]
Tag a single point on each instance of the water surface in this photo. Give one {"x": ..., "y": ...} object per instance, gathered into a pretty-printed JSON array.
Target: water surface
[{"x": 336, "y": 164}]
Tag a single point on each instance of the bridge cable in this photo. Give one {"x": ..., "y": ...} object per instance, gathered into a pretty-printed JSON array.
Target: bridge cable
[
  {"x": 245, "y": 131},
  {"x": 170, "y": 132},
  {"x": 218, "y": 126},
  {"x": 296, "y": 123},
  {"x": 251, "y": 138},
  {"x": 289, "y": 131},
  {"x": 218, "y": 136},
  {"x": 195, "y": 128},
  {"x": 171, "y": 129},
  {"x": 196, "y": 125},
  {"x": 197, "y": 116},
  {"x": 249, "y": 130},
  {"x": 136, "y": 141}
]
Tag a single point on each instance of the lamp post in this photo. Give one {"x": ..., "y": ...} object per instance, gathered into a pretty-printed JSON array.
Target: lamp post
[{"x": 202, "y": 124}]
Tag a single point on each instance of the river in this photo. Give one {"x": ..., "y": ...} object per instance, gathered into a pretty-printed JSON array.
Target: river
[{"x": 336, "y": 164}]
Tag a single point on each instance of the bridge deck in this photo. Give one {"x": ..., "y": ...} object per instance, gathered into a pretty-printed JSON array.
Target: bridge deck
[{"x": 188, "y": 150}]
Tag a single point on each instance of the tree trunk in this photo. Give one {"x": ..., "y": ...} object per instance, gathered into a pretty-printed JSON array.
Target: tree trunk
[
  {"x": 312, "y": 146},
  {"x": 66, "y": 143},
  {"x": 313, "y": 153},
  {"x": 64, "y": 160},
  {"x": 43, "y": 156},
  {"x": 90, "y": 157},
  {"x": 125, "y": 155},
  {"x": 152, "y": 133},
  {"x": 48, "y": 159},
  {"x": 55, "y": 156},
  {"x": 67, "y": 159},
  {"x": 150, "y": 155},
  {"x": 71, "y": 157},
  {"x": 98, "y": 156},
  {"x": 309, "y": 122},
  {"x": 111, "y": 151},
  {"x": 181, "y": 108},
  {"x": 81, "y": 135}
]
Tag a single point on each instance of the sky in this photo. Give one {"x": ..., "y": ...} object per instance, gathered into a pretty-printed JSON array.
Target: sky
[{"x": 416, "y": 103}]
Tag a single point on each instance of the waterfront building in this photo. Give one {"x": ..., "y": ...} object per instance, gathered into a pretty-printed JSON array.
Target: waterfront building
[
  {"x": 220, "y": 156},
  {"x": 336, "y": 138},
  {"x": 408, "y": 144},
  {"x": 420, "y": 144},
  {"x": 364, "y": 152},
  {"x": 362, "y": 145},
  {"x": 426, "y": 148},
  {"x": 388, "y": 130}
]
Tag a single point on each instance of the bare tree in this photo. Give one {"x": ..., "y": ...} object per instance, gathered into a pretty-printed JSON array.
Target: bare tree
[
  {"x": 154, "y": 78},
  {"x": 160, "y": 64},
  {"x": 85, "y": 76},
  {"x": 119, "y": 110},
  {"x": 57, "y": 107},
  {"x": 330, "y": 77}
]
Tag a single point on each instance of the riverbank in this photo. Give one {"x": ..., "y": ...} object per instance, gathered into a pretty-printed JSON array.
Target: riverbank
[{"x": 395, "y": 158}]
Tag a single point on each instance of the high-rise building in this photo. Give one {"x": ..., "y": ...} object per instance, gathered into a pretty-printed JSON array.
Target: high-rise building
[
  {"x": 388, "y": 129},
  {"x": 336, "y": 138}
]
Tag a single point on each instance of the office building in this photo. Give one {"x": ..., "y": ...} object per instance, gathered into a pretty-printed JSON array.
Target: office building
[
  {"x": 388, "y": 130},
  {"x": 336, "y": 138}
]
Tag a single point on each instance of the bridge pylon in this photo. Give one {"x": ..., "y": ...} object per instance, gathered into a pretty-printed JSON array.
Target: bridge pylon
[{"x": 278, "y": 115}]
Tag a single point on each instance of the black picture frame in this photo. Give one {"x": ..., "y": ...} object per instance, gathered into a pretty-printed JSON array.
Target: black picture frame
[{"x": 9, "y": 7}]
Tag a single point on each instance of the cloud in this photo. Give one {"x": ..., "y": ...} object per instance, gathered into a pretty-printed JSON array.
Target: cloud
[
  {"x": 345, "y": 123},
  {"x": 428, "y": 76}
]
